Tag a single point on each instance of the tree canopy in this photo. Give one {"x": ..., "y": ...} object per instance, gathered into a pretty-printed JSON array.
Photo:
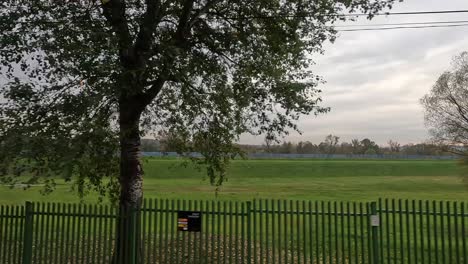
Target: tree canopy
[
  {"x": 446, "y": 106},
  {"x": 87, "y": 79}
]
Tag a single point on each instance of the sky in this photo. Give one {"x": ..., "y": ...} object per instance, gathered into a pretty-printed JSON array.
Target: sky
[{"x": 374, "y": 79}]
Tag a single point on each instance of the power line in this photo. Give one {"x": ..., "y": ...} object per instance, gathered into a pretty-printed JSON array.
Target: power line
[
  {"x": 305, "y": 15},
  {"x": 384, "y": 26},
  {"x": 417, "y": 13},
  {"x": 391, "y": 28},
  {"x": 404, "y": 23},
  {"x": 403, "y": 26}
]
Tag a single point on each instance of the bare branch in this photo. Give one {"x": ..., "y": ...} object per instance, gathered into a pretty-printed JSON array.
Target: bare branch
[{"x": 459, "y": 107}]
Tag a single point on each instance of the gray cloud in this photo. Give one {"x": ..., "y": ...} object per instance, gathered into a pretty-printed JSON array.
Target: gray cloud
[{"x": 376, "y": 78}]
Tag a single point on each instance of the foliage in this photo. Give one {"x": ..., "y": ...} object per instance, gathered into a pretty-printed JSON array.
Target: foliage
[
  {"x": 329, "y": 145},
  {"x": 86, "y": 79}
]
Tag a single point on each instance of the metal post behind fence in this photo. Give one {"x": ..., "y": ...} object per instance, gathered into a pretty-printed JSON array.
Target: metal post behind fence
[
  {"x": 132, "y": 214},
  {"x": 375, "y": 225},
  {"x": 249, "y": 231},
  {"x": 28, "y": 233}
]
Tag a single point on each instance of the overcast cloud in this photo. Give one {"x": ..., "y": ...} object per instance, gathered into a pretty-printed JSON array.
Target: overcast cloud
[{"x": 376, "y": 78}]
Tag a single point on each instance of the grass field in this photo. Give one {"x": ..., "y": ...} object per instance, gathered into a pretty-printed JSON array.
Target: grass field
[{"x": 339, "y": 180}]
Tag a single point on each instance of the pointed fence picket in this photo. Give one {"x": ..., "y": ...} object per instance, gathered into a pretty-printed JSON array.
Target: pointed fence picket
[{"x": 254, "y": 232}]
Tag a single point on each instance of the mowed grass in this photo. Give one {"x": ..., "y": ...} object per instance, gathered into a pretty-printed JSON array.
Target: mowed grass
[{"x": 308, "y": 179}]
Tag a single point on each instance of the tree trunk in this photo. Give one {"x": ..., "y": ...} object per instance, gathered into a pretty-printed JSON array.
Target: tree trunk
[
  {"x": 131, "y": 171},
  {"x": 128, "y": 244}
]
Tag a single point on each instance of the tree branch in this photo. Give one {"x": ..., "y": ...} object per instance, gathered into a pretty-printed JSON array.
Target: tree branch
[
  {"x": 459, "y": 107},
  {"x": 202, "y": 11},
  {"x": 183, "y": 22},
  {"x": 114, "y": 12},
  {"x": 178, "y": 39},
  {"x": 213, "y": 48},
  {"x": 148, "y": 26},
  {"x": 147, "y": 97}
]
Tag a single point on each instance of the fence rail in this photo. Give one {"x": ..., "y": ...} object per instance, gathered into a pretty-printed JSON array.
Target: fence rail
[{"x": 260, "y": 231}]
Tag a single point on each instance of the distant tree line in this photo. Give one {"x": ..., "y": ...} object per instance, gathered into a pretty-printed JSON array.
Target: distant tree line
[{"x": 330, "y": 145}]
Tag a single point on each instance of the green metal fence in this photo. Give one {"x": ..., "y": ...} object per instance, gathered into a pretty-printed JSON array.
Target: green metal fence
[{"x": 261, "y": 231}]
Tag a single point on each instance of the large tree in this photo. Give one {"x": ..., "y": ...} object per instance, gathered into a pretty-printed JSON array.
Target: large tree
[
  {"x": 446, "y": 107},
  {"x": 86, "y": 79}
]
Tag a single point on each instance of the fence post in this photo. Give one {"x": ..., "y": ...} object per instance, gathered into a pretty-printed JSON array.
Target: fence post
[
  {"x": 249, "y": 231},
  {"x": 28, "y": 233},
  {"x": 133, "y": 233},
  {"x": 375, "y": 225}
]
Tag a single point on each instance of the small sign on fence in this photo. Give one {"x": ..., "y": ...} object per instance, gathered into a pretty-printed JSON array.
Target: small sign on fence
[
  {"x": 375, "y": 220},
  {"x": 189, "y": 221}
]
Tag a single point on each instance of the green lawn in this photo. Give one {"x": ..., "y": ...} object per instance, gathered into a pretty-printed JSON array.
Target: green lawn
[{"x": 340, "y": 180}]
